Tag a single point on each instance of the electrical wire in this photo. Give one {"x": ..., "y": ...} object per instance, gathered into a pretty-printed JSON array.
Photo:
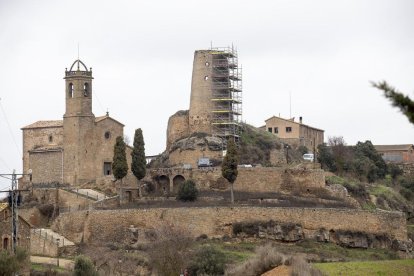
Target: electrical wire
[{"x": 9, "y": 127}]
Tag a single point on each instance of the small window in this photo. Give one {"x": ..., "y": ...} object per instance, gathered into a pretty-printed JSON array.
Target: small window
[
  {"x": 70, "y": 90},
  {"x": 207, "y": 64},
  {"x": 107, "y": 168},
  {"x": 276, "y": 130},
  {"x": 269, "y": 129},
  {"x": 50, "y": 138},
  {"x": 107, "y": 135},
  {"x": 86, "y": 89},
  {"x": 288, "y": 129},
  {"x": 206, "y": 78}
]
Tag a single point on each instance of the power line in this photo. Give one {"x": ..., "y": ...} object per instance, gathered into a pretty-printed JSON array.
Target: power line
[
  {"x": 9, "y": 127},
  {"x": 5, "y": 164}
]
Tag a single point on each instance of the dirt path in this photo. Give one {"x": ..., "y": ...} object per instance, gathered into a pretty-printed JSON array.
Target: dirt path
[
  {"x": 63, "y": 263},
  {"x": 281, "y": 270}
]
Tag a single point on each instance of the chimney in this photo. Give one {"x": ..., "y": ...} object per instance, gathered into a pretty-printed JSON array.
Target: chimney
[{"x": 300, "y": 120}]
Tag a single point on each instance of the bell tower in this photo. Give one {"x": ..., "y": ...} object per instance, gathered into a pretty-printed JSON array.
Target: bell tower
[
  {"x": 78, "y": 125},
  {"x": 78, "y": 82}
]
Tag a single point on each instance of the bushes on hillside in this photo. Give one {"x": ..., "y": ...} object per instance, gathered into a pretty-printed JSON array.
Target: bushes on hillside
[
  {"x": 255, "y": 146},
  {"x": 187, "y": 191},
  {"x": 266, "y": 258},
  {"x": 208, "y": 261},
  {"x": 361, "y": 161},
  {"x": 84, "y": 267}
]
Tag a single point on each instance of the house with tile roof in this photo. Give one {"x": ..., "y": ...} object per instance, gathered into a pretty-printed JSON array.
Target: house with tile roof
[
  {"x": 77, "y": 149},
  {"x": 24, "y": 229},
  {"x": 294, "y": 133},
  {"x": 396, "y": 153}
]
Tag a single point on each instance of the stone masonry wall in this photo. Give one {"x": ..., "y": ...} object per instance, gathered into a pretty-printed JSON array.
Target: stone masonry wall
[
  {"x": 178, "y": 127},
  {"x": 39, "y": 137},
  {"x": 41, "y": 246},
  {"x": 259, "y": 179},
  {"x": 111, "y": 225},
  {"x": 46, "y": 166}
]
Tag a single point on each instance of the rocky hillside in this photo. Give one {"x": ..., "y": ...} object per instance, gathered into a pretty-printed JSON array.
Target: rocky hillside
[{"x": 256, "y": 147}]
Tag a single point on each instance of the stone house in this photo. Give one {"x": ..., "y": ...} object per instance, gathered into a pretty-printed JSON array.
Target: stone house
[
  {"x": 23, "y": 232},
  {"x": 396, "y": 153},
  {"x": 295, "y": 133},
  {"x": 77, "y": 149}
]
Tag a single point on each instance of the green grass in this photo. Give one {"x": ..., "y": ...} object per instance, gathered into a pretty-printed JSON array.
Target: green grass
[
  {"x": 234, "y": 252},
  {"x": 394, "y": 267},
  {"x": 331, "y": 251},
  {"x": 45, "y": 267}
]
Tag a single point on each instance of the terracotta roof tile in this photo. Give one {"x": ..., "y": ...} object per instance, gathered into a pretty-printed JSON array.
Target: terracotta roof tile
[
  {"x": 42, "y": 124},
  {"x": 393, "y": 147}
]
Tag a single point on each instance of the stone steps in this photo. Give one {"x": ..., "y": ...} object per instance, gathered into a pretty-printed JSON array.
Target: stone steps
[{"x": 50, "y": 235}]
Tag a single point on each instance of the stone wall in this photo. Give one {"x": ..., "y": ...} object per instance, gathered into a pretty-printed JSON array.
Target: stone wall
[
  {"x": 111, "y": 226},
  {"x": 46, "y": 166},
  {"x": 178, "y": 127},
  {"x": 42, "y": 246},
  {"x": 258, "y": 179},
  {"x": 179, "y": 157},
  {"x": 34, "y": 138}
]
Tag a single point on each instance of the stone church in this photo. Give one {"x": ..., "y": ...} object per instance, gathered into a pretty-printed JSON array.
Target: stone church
[{"x": 77, "y": 149}]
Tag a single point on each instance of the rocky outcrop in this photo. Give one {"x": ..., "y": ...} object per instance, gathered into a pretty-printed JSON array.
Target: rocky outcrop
[{"x": 273, "y": 230}]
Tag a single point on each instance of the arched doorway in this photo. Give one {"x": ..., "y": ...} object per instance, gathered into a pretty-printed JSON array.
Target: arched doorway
[
  {"x": 163, "y": 184},
  {"x": 6, "y": 243},
  {"x": 177, "y": 181}
]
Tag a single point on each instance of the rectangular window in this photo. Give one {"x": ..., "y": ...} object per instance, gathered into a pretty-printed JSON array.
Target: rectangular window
[
  {"x": 107, "y": 168},
  {"x": 276, "y": 130},
  {"x": 269, "y": 129},
  {"x": 288, "y": 129}
]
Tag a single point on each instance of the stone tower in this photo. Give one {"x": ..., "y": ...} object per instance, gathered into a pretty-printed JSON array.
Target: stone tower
[
  {"x": 78, "y": 125},
  {"x": 215, "y": 102},
  {"x": 201, "y": 88}
]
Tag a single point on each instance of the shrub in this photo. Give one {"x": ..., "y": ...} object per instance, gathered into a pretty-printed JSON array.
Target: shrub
[
  {"x": 407, "y": 194},
  {"x": 208, "y": 261},
  {"x": 46, "y": 210},
  {"x": 267, "y": 257},
  {"x": 394, "y": 170},
  {"x": 187, "y": 191},
  {"x": 300, "y": 267},
  {"x": 170, "y": 252},
  {"x": 84, "y": 267},
  {"x": 10, "y": 264}
]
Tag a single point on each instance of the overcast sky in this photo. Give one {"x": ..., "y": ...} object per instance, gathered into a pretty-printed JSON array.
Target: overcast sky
[{"x": 323, "y": 53}]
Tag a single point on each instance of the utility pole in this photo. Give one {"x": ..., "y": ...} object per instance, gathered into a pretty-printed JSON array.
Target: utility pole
[{"x": 15, "y": 199}]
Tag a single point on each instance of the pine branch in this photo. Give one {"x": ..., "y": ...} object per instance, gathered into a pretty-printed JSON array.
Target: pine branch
[{"x": 399, "y": 100}]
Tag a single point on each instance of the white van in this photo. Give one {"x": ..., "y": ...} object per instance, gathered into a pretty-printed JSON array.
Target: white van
[{"x": 308, "y": 157}]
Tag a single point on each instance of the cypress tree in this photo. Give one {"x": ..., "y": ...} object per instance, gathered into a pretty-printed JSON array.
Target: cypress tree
[
  {"x": 139, "y": 163},
  {"x": 399, "y": 100},
  {"x": 229, "y": 166},
  {"x": 119, "y": 164}
]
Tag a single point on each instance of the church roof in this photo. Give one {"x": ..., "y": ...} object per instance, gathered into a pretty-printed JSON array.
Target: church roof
[
  {"x": 45, "y": 124},
  {"x": 59, "y": 123},
  {"x": 101, "y": 118}
]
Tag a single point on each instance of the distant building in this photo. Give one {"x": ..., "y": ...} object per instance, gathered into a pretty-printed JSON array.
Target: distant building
[
  {"x": 396, "y": 153},
  {"x": 23, "y": 235},
  {"x": 294, "y": 133}
]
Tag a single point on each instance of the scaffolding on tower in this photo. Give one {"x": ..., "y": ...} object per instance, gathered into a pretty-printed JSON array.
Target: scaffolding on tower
[{"x": 226, "y": 93}]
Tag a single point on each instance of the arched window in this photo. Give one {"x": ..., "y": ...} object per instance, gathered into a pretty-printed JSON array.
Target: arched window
[
  {"x": 86, "y": 89},
  {"x": 6, "y": 243},
  {"x": 70, "y": 90}
]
